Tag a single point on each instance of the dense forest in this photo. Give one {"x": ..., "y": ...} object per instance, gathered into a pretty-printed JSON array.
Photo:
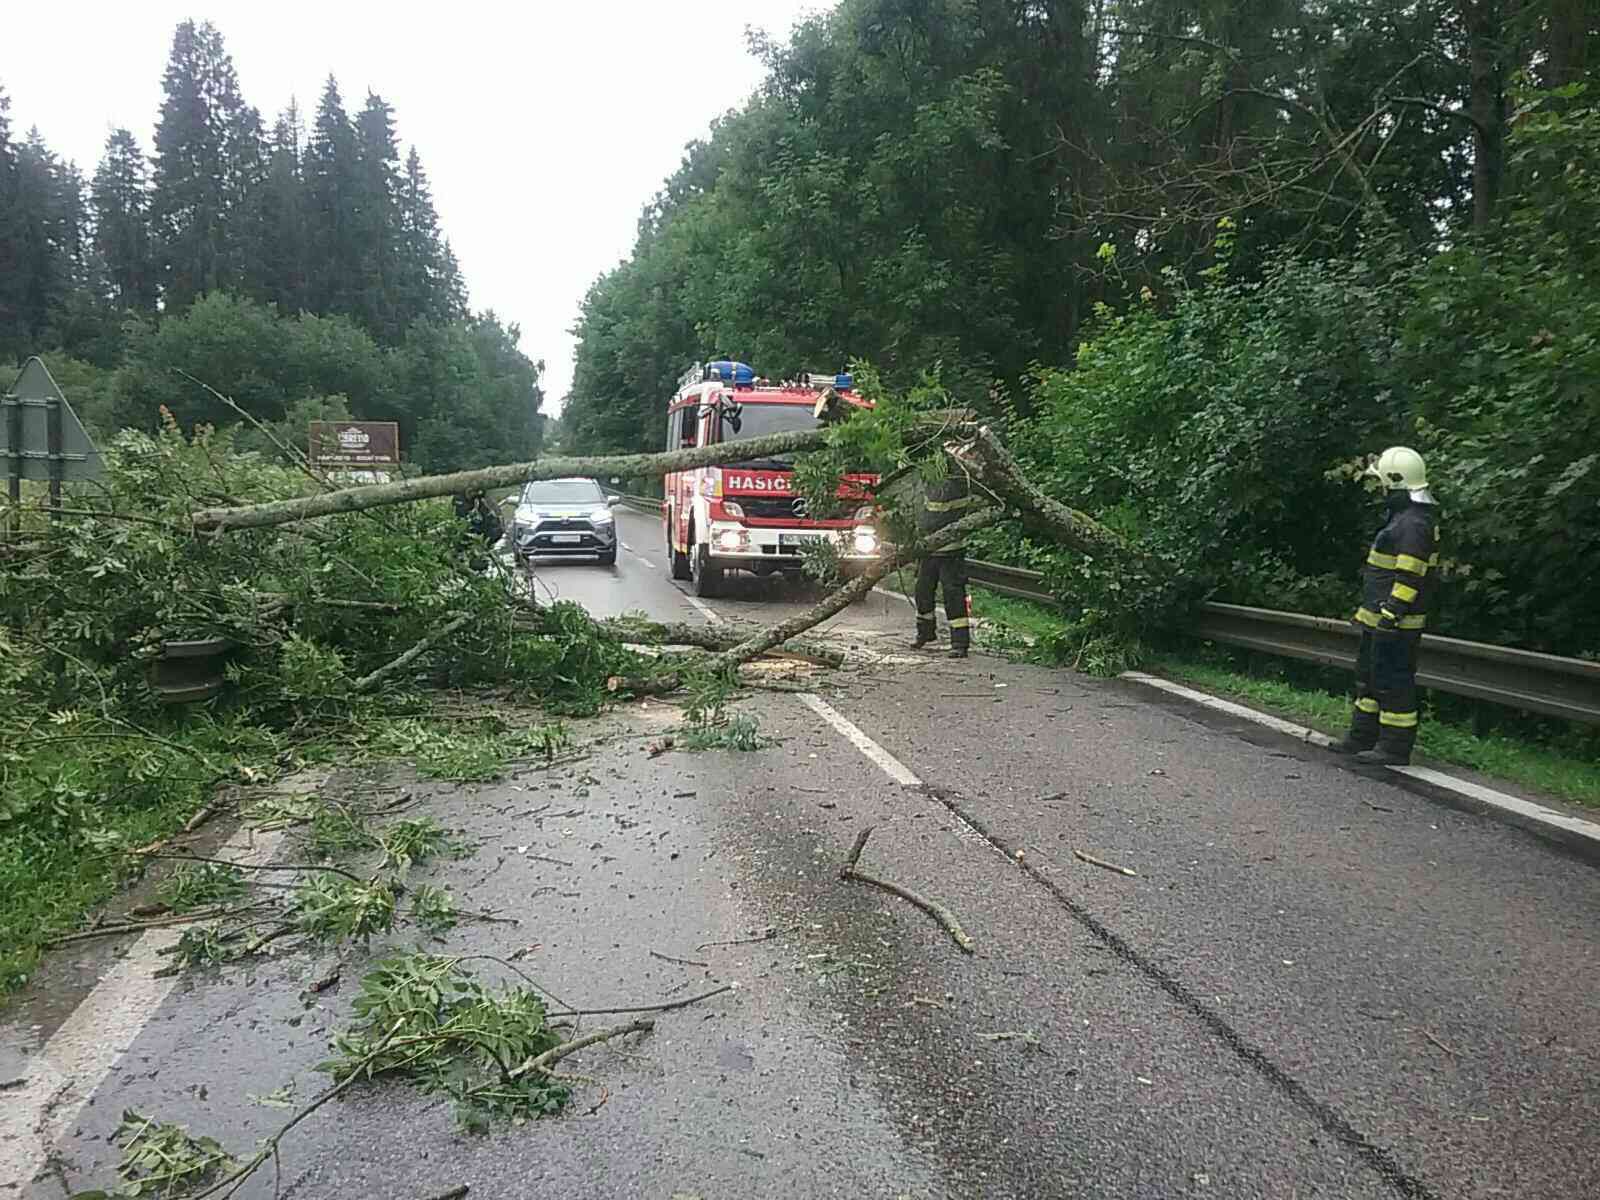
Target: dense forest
[
  {"x": 1198, "y": 255},
  {"x": 301, "y": 271}
]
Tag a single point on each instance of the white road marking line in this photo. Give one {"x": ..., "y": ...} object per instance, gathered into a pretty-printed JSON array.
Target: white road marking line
[
  {"x": 63, "y": 1076},
  {"x": 892, "y": 766},
  {"x": 706, "y": 610},
  {"x": 1526, "y": 809},
  {"x": 1233, "y": 710}
]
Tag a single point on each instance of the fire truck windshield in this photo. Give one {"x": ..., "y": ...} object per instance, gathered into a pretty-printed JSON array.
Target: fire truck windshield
[{"x": 762, "y": 420}]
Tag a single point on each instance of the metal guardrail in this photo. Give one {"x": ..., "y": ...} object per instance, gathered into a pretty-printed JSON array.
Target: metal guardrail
[
  {"x": 1541, "y": 683},
  {"x": 642, "y": 503}
]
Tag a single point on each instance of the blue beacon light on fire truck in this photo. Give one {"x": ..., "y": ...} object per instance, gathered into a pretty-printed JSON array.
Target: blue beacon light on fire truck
[{"x": 741, "y": 375}]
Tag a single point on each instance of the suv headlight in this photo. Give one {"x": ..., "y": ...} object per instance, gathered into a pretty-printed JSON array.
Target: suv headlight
[{"x": 601, "y": 516}]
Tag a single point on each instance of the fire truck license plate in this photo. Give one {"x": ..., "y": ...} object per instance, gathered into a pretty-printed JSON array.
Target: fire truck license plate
[{"x": 798, "y": 539}]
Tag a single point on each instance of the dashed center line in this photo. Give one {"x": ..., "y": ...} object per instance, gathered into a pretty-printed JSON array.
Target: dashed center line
[{"x": 892, "y": 766}]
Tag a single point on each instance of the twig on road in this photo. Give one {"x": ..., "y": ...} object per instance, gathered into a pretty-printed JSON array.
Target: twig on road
[
  {"x": 933, "y": 908},
  {"x": 638, "y": 1008},
  {"x": 682, "y": 962},
  {"x": 454, "y": 1193},
  {"x": 1438, "y": 1043},
  {"x": 1100, "y": 862},
  {"x": 768, "y": 936}
]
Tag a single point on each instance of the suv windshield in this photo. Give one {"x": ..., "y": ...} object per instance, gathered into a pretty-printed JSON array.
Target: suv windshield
[{"x": 563, "y": 491}]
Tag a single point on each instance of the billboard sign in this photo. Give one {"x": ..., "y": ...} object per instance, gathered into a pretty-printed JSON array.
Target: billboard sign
[{"x": 354, "y": 445}]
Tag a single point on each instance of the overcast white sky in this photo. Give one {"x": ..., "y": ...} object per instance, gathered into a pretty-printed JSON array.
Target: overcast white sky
[{"x": 544, "y": 126}]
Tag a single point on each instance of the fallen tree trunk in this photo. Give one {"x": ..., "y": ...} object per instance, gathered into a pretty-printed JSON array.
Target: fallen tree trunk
[
  {"x": 423, "y": 487},
  {"x": 1002, "y": 474},
  {"x": 709, "y": 637},
  {"x": 836, "y": 601}
]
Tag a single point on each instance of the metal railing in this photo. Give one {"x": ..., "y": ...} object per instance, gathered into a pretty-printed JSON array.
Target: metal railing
[
  {"x": 647, "y": 504},
  {"x": 1540, "y": 683}
]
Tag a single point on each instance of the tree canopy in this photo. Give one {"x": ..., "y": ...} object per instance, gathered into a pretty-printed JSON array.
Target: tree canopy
[
  {"x": 1200, "y": 255},
  {"x": 293, "y": 269}
]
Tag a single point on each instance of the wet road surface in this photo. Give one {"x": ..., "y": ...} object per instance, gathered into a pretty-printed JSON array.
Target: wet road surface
[{"x": 1317, "y": 983}]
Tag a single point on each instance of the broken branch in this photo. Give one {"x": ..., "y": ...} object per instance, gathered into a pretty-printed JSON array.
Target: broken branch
[
  {"x": 933, "y": 908},
  {"x": 836, "y": 601},
  {"x": 202, "y": 914},
  {"x": 367, "y": 682},
  {"x": 555, "y": 1054}
]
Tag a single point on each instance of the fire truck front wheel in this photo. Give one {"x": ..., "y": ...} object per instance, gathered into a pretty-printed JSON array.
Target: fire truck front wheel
[
  {"x": 707, "y": 575},
  {"x": 678, "y": 562}
]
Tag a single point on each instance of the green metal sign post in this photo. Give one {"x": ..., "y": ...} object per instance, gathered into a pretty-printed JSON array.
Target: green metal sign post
[{"x": 41, "y": 437}]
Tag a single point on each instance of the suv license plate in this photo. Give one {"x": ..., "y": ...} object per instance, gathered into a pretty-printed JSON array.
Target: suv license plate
[{"x": 566, "y": 539}]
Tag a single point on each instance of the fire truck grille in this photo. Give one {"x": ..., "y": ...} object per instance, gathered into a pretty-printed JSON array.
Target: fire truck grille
[{"x": 764, "y": 508}]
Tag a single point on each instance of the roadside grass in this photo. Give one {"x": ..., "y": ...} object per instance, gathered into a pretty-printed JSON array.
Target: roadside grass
[
  {"x": 48, "y": 884},
  {"x": 57, "y": 868},
  {"x": 1547, "y": 756}
]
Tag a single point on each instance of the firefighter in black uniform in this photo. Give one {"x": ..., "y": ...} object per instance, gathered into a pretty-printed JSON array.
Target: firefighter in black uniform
[
  {"x": 1398, "y": 580},
  {"x": 484, "y": 527},
  {"x": 946, "y": 502}
]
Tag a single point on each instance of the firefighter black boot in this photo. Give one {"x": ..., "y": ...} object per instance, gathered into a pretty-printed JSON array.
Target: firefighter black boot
[{"x": 1363, "y": 735}]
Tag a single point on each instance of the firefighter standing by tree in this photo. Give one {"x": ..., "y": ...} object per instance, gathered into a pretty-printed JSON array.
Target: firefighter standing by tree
[
  {"x": 946, "y": 502},
  {"x": 483, "y": 524},
  {"x": 1397, "y": 586}
]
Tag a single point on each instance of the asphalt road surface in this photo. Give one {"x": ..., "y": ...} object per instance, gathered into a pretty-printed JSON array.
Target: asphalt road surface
[{"x": 1315, "y": 983}]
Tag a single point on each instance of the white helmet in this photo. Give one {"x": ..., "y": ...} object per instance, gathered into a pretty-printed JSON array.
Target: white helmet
[{"x": 1401, "y": 469}]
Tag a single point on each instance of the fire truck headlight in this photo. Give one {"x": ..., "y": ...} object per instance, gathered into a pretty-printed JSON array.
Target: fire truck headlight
[
  {"x": 866, "y": 541},
  {"x": 864, "y": 513},
  {"x": 734, "y": 509}
]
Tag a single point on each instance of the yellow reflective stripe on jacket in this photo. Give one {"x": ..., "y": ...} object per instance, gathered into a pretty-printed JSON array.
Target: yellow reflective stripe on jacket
[
  {"x": 961, "y": 623},
  {"x": 950, "y": 505},
  {"x": 1376, "y": 559},
  {"x": 1367, "y": 705},
  {"x": 1406, "y": 720},
  {"x": 1403, "y": 591},
  {"x": 1367, "y": 617},
  {"x": 1406, "y": 562}
]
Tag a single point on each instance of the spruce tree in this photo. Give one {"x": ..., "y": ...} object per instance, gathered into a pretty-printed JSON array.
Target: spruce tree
[
  {"x": 11, "y": 283},
  {"x": 283, "y": 216},
  {"x": 375, "y": 220},
  {"x": 428, "y": 282},
  {"x": 121, "y": 199},
  {"x": 207, "y": 153},
  {"x": 47, "y": 224},
  {"x": 330, "y": 161}
]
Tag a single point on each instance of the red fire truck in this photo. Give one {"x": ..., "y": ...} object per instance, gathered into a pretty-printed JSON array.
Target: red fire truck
[{"x": 748, "y": 516}]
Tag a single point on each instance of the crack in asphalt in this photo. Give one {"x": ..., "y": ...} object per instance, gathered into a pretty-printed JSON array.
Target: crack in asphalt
[{"x": 1336, "y": 1125}]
